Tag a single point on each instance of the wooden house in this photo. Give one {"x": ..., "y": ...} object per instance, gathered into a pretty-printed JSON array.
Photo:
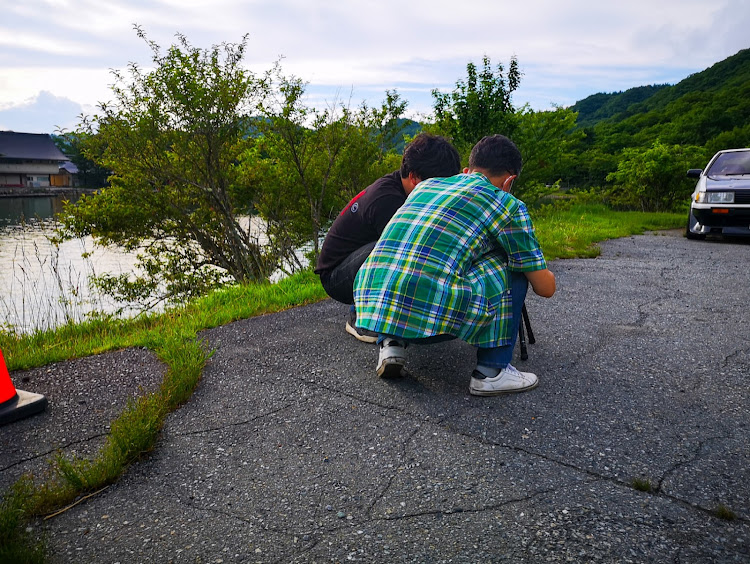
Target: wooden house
[
  {"x": 67, "y": 176},
  {"x": 28, "y": 160}
]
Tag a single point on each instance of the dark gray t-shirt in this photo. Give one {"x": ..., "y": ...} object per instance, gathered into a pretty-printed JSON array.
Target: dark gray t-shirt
[{"x": 361, "y": 221}]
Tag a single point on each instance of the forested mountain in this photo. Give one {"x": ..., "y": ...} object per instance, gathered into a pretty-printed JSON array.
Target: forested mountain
[
  {"x": 601, "y": 106},
  {"x": 703, "y": 113},
  {"x": 410, "y": 129},
  {"x": 730, "y": 74}
]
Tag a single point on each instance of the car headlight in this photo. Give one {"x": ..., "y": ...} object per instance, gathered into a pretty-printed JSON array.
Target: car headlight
[{"x": 720, "y": 197}]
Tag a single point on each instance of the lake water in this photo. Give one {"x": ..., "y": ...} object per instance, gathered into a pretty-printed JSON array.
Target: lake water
[{"x": 43, "y": 285}]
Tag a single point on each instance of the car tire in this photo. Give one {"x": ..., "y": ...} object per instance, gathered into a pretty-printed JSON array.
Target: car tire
[{"x": 689, "y": 233}]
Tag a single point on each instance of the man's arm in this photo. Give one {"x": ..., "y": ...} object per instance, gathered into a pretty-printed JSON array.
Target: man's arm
[{"x": 542, "y": 282}]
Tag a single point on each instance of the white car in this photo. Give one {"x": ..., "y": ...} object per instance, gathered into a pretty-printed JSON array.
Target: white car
[{"x": 721, "y": 200}]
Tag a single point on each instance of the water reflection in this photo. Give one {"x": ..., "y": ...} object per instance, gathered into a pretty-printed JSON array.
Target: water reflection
[
  {"x": 43, "y": 285},
  {"x": 15, "y": 211}
]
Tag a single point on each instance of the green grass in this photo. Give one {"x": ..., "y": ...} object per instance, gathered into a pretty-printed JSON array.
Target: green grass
[
  {"x": 573, "y": 231},
  {"x": 642, "y": 485},
  {"x": 565, "y": 231},
  {"x": 101, "y": 335},
  {"x": 173, "y": 337},
  {"x": 723, "y": 512},
  {"x": 16, "y": 544}
]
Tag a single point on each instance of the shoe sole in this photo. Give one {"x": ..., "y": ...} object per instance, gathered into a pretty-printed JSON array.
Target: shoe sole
[
  {"x": 392, "y": 368},
  {"x": 364, "y": 338},
  {"x": 485, "y": 393}
]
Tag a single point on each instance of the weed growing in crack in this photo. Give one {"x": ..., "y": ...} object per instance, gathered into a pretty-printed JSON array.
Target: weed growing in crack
[
  {"x": 642, "y": 485},
  {"x": 723, "y": 512}
]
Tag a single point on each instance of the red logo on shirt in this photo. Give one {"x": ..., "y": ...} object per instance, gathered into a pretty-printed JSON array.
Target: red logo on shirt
[{"x": 353, "y": 206}]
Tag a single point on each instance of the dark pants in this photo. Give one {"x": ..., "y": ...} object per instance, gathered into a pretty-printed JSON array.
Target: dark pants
[{"x": 339, "y": 282}]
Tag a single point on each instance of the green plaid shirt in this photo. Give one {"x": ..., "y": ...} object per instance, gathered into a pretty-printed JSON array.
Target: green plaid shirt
[{"x": 441, "y": 264}]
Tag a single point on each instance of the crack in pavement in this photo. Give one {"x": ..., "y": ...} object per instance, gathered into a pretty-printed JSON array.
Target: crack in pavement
[
  {"x": 54, "y": 450},
  {"x": 459, "y": 510},
  {"x": 389, "y": 483},
  {"x": 607, "y": 478},
  {"x": 238, "y": 423},
  {"x": 736, "y": 354},
  {"x": 677, "y": 465}
]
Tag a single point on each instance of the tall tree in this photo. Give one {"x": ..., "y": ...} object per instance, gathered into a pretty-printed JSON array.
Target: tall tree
[
  {"x": 547, "y": 142},
  {"x": 479, "y": 105},
  {"x": 312, "y": 161},
  {"x": 172, "y": 138}
]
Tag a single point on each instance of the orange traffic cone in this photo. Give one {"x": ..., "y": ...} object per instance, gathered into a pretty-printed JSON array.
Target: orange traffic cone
[{"x": 16, "y": 404}]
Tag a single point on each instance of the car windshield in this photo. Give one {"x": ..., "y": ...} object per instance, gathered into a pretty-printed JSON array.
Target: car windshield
[{"x": 731, "y": 164}]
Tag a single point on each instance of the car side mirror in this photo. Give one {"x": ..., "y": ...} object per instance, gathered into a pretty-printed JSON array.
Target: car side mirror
[{"x": 694, "y": 173}]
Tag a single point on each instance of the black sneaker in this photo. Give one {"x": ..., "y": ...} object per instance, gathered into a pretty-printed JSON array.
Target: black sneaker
[{"x": 363, "y": 335}]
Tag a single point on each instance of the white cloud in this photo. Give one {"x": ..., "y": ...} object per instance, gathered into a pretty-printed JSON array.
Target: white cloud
[
  {"x": 567, "y": 50},
  {"x": 86, "y": 86},
  {"x": 45, "y": 113},
  {"x": 41, "y": 42}
]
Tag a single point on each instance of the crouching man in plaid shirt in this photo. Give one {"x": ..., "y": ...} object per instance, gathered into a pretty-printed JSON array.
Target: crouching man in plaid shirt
[{"x": 455, "y": 261}]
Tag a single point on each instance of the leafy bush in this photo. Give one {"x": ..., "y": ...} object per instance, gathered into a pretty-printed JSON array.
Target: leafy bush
[{"x": 653, "y": 179}]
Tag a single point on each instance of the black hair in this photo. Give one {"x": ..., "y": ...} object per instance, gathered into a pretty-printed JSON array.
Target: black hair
[
  {"x": 429, "y": 156},
  {"x": 496, "y": 154}
]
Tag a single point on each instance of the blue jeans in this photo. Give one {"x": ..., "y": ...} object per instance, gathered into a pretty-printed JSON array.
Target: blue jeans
[
  {"x": 496, "y": 357},
  {"x": 500, "y": 357}
]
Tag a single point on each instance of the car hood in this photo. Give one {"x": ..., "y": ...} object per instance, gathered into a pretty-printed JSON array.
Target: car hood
[{"x": 717, "y": 183}]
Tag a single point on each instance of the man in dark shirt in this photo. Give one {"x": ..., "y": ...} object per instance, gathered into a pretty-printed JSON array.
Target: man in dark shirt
[{"x": 359, "y": 225}]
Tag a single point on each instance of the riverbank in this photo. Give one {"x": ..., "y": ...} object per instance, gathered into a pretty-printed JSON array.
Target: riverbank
[
  {"x": 565, "y": 232},
  {"x": 43, "y": 191}
]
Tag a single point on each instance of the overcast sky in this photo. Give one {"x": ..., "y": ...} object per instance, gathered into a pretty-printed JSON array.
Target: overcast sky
[{"x": 56, "y": 55}]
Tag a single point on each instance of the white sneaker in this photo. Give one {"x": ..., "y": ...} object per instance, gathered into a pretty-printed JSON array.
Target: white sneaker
[
  {"x": 391, "y": 358},
  {"x": 364, "y": 335},
  {"x": 506, "y": 381}
]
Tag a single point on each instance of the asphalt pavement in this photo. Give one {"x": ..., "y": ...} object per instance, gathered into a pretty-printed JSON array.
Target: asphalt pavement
[{"x": 292, "y": 450}]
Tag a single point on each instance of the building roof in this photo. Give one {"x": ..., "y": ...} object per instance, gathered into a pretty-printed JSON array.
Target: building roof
[
  {"x": 69, "y": 166},
  {"x": 29, "y": 146}
]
